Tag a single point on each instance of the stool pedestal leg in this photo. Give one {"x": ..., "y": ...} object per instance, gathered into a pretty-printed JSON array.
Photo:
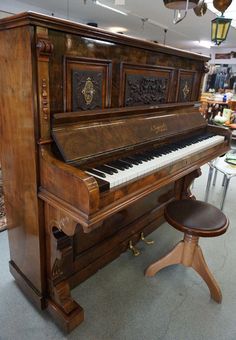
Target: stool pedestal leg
[
  {"x": 173, "y": 257},
  {"x": 189, "y": 254},
  {"x": 200, "y": 266}
]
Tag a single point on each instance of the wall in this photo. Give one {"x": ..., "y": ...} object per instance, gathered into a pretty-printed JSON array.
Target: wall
[
  {"x": 14, "y": 7},
  {"x": 217, "y": 50}
]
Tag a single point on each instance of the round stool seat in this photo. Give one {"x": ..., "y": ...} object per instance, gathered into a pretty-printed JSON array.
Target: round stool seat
[{"x": 196, "y": 218}]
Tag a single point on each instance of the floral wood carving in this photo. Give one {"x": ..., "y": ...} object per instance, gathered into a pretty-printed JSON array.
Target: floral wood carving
[
  {"x": 63, "y": 254},
  {"x": 44, "y": 99},
  {"x": 142, "y": 90}
]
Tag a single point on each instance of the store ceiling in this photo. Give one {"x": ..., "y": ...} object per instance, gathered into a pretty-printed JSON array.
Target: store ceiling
[{"x": 186, "y": 34}]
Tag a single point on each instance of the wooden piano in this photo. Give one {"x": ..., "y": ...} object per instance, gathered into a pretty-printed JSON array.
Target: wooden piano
[{"x": 99, "y": 131}]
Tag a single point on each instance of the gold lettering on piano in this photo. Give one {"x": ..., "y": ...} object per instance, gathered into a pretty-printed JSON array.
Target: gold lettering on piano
[
  {"x": 186, "y": 90},
  {"x": 88, "y": 91},
  {"x": 158, "y": 128}
]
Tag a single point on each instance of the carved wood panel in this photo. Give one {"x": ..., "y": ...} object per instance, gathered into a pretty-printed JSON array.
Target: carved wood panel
[
  {"x": 145, "y": 84},
  {"x": 44, "y": 53},
  {"x": 186, "y": 86},
  {"x": 87, "y": 83}
]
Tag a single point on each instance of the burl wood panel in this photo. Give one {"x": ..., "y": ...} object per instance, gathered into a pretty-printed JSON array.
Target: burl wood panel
[
  {"x": 118, "y": 222},
  {"x": 110, "y": 135},
  {"x": 20, "y": 164},
  {"x": 80, "y": 46}
]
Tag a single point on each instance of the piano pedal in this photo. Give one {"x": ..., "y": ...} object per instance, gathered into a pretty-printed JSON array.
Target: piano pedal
[
  {"x": 148, "y": 242},
  {"x": 135, "y": 251}
]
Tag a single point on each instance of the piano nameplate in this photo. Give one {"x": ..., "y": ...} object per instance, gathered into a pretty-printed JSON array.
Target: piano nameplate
[{"x": 159, "y": 128}]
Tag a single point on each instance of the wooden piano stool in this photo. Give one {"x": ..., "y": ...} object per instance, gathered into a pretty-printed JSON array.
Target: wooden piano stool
[{"x": 195, "y": 219}]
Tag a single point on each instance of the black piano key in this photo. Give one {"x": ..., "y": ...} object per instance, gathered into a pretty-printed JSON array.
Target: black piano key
[
  {"x": 150, "y": 155},
  {"x": 136, "y": 159},
  {"x": 96, "y": 172},
  {"x": 112, "y": 168},
  {"x": 126, "y": 163},
  {"x": 131, "y": 160},
  {"x": 122, "y": 164},
  {"x": 147, "y": 156},
  {"x": 141, "y": 157},
  {"x": 164, "y": 152},
  {"x": 127, "y": 166},
  {"x": 105, "y": 169},
  {"x": 117, "y": 165}
]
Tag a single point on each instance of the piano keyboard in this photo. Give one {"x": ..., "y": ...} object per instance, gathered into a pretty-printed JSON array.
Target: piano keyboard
[{"x": 136, "y": 166}]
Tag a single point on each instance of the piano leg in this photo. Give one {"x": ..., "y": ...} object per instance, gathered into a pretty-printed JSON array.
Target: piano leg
[
  {"x": 66, "y": 312},
  {"x": 182, "y": 187}
]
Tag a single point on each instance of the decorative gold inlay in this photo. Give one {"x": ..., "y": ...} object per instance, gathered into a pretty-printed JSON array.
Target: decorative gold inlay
[
  {"x": 186, "y": 90},
  {"x": 88, "y": 91}
]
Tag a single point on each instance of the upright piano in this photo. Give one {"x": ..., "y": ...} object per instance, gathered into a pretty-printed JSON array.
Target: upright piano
[{"x": 99, "y": 131}]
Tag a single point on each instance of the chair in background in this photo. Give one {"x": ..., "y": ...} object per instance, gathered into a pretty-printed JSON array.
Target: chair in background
[{"x": 228, "y": 172}]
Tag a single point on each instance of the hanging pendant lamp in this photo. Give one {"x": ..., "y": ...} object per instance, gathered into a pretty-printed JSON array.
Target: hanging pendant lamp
[
  {"x": 180, "y": 4},
  {"x": 221, "y": 5}
]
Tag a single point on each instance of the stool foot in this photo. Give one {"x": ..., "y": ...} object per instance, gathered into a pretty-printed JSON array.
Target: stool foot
[
  {"x": 174, "y": 257},
  {"x": 200, "y": 266},
  {"x": 189, "y": 254}
]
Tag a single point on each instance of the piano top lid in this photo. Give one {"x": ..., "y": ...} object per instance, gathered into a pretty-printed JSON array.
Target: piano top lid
[
  {"x": 88, "y": 139},
  {"x": 33, "y": 18}
]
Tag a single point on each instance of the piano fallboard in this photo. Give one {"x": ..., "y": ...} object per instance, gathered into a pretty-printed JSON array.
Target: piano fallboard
[{"x": 86, "y": 139}]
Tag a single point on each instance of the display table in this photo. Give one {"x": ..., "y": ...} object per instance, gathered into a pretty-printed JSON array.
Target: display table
[{"x": 212, "y": 107}]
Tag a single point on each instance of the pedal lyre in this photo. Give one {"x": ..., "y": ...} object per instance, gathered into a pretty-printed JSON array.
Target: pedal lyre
[
  {"x": 135, "y": 251},
  {"x": 148, "y": 242}
]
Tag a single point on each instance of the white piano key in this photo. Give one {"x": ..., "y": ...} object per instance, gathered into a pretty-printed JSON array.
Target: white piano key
[{"x": 140, "y": 170}]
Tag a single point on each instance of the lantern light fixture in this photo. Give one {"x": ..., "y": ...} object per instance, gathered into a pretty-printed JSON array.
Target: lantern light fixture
[
  {"x": 219, "y": 29},
  {"x": 220, "y": 25}
]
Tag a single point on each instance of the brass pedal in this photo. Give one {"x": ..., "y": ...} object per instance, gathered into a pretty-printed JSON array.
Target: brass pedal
[
  {"x": 135, "y": 251},
  {"x": 148, "y": 242}
]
